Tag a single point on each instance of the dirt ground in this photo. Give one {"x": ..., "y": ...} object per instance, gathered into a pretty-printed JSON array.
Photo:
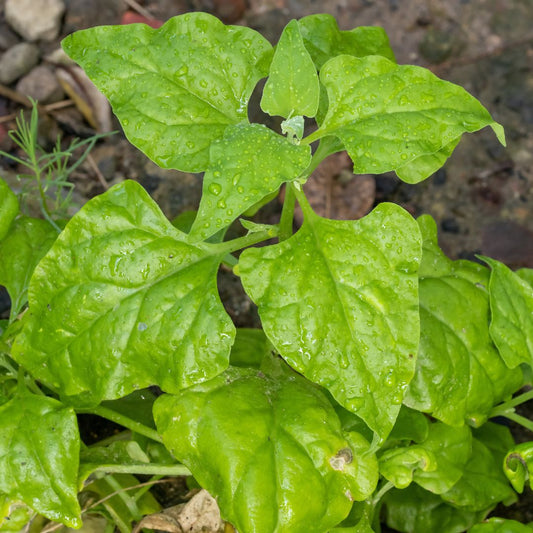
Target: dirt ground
[{"x": 483, "y": 197}]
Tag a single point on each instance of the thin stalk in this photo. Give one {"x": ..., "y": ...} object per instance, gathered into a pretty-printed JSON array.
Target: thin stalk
[
  {"x": 123, "y": 420},
  {"x": 500, "y": 410},
  {"x": 150, "y": 469},
  {"x": 522, "y": 420},
  {"x": 287, "y": 213},
  {"x": 304, "y": 203},
  {"x": 381, "y": 492},
  {"x": 129, "y": 502},
  {"x": 229, "y": 247}
]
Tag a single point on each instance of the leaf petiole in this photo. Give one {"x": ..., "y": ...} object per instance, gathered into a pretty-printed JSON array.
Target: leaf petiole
[
  {"x": 122, "y": 420},
  {"x": 152, "y": 469},
  {"x": 504, "y": 408},
  {"x": 287, "y": 213},
  {"x": 522, "y": 420}
]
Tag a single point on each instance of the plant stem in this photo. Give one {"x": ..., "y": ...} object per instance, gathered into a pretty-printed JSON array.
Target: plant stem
[
  {"x": 123, "y": 420},
  {"x": 150, "y": 469},
  {"x": 287, "y": 213},
  {"x": 248, "y": 240},
  {"x": 522, "y": 420},
  {"x": 500, "y": 410},
  {"x": 304, "y": 203},
  {"x": 381, "y": 492}
]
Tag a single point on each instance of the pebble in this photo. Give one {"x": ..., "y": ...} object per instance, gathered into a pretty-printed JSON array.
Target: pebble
[
  {"x": 8, "y": 37},
  {"x": 35, "y": 19},
  {"x": 17, "y": 61},
  {"x": 42, "y": 85}
]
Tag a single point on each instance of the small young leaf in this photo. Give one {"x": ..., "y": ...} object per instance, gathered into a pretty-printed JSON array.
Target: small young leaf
[
  {"x": 483, "y": 483},
  {"x": 399, "y": 464},
  {"x": 518, "y": 465},
  {"x": 238, "y": 177},
  {"x": 175, "y": 89},
  {"x": 400, "y": 118},
  {"x": 9, "y": 208},
  {"x": 511, "y": 306},
  {"x": 122, "y": 301},
  {"x": 501, "y": 525},
  {"x": 339, "y": 302},
  {"x": 292, "y": 87},
  {"x": 460, "y": 376},
  {"x": 324, "y": 40},
  {"x": 39, "y": 455},
  {"x": 452, "y": 448},
  {"x": 415, "y": 510},
  {"x": 27, "y": 242},
  {"x": 270, "y": 449},
  {"x": 14, "y": 515}
]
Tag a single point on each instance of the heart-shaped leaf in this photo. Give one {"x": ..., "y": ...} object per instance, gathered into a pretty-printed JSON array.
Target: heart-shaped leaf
[
  {"x": 134, "y": 304},
  {"x": 238, "y": 178},
  {"x": 175, "y": 89},
  {"x": 270, "y": 448},
  {"x": 400, "y": 118},
  {"x": 39, "y": 456},
  {"x": 339, "y": 301}
]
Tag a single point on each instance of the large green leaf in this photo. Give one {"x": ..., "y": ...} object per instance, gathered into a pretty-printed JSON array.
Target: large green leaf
[
  {"x": 483, "y": 483},
  {"x": 292, "y": 87},
  {"x": 415, "y": 510},
  {"x": 175, "y": 89},
  {"x": 250, "y": 348},
  {"x": 518, "y": 465},
  {"x": 324, "y": 40},
  {"x": 27, "y": 242},
  {"x": 400, "y": 118},
  {"x": 460, "y": 374},
  {"x": 9, "y": 208},
  {"x": 249, "y": 163},
  {"x": 339, "y": 301},
  {"x": 511, "y": 306},
  {"x": 122, "y": 301},
  {"x": 39, "y": 455},
  {"x": 269, "y": 447}
]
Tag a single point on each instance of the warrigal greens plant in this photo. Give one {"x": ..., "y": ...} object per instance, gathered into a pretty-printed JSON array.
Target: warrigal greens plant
[{"x": 365, "y": 397}]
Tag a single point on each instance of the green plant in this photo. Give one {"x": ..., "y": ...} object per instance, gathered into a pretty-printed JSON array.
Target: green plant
[{"x": 367, "y": 394}]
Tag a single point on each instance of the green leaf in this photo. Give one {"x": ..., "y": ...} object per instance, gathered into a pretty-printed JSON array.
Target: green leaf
[
  {"x": 460, "y": 374},
  {"x": 27, "y": 242},
  {"x": 270, "y": 449},
  {"x": 39, "y": 447},
  {"x": 237, "y": 178},
  {"x": 122, "y": 301},
  {"x": 292, "y": 86},
  {"x": 501, "y": 525},
  {"x": 483, "y": 483},
  {"x": 400, "y": 118},
  {"x": 518, "y": 465},
  {"x": 511, "y": 305},
  {"x": 452, "y": 448},
  {"x": 415, "y": 510},
  {"x": 398, "y": 465},
  {"x": 13, "y": 515},
  {"x": 250, "y": 348},
  {"x": 410, "y": 426},
  {"x": 324, "y": 40},
  {"x": 174, "y": 89},
  {"x": 339, "y": 302},
  {"x": 9, "y": 208}
]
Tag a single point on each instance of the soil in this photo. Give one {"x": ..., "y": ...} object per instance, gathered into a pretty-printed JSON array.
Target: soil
[{"x": 481, "y": 199}]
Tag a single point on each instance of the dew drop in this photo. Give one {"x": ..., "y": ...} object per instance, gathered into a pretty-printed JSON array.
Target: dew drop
[
  {"x": 182, "y": 71},
  {"x": 215, "y": 188},
  {"x": 221, "y": 204}
]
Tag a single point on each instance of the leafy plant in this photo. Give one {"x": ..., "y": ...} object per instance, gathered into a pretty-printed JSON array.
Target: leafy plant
[{"x": 367, "y": 394}]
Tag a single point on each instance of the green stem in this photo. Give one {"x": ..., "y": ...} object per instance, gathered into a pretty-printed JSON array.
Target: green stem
[
  {"x": 123, "y": 420},
  {"x": 229, "y": 247},
  {"x": 128, "y": 501},
  {"x": 151, "y": 469},
  {"x": 501, "y": 409},
  {"x": 287, "y": 213},
  {"x": 522, "y": 420},
  {"x": 304, "y": 203},
  {"x": 381, "y": 492}
]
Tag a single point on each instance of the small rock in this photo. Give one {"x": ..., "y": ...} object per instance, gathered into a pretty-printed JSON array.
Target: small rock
[
  {"x": 35, "y": 19},
  {"x": 17, "y": 61},
  {"x": 42, "y": 85}
]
